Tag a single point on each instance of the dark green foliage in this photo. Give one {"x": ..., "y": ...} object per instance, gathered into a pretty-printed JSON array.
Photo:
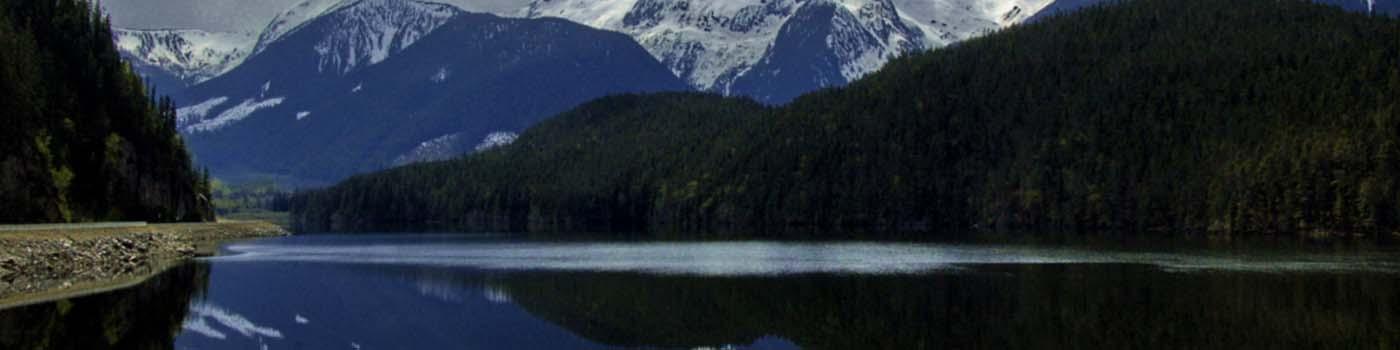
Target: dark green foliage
[
  {"x": 597, "y": 169},
  {"x": 256, "y": 196},
  {"x": 83, "y": 137},
  {"x": 1235, "y": 117}
]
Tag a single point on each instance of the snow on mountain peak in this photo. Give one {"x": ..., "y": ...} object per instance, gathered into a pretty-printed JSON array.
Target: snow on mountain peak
[
  {"x": 701, "y": 41},
  {"x": 293, "y": 18},
  {"x": 191, "y": 55},
  {"x": 366, "y": 32},
  {"x": 710, "y": 43}
]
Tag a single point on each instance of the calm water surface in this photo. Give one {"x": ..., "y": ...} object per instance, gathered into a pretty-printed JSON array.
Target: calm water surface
[{"x": 496, "y": 292}]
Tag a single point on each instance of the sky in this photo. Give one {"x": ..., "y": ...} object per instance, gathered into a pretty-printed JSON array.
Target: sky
[{"x": 235, "y": 15}]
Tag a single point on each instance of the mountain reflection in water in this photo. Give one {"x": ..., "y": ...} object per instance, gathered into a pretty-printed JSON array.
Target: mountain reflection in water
[{"x": 331, "y": 301}]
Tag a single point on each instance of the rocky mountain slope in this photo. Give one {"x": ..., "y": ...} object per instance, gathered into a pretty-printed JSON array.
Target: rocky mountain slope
[
  {"x": 740, "y": 47},
  {"x": 176, "y": 58},
  {"x": 384, "y": 82},
  {"x": 733, "y": 47}
]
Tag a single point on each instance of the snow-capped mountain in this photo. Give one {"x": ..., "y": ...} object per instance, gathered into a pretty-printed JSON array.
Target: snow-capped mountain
[
  {"x": 375, "y": 83},
  {"x": 178, "y": 58},
  {"x": 292, "y": 18},
  {"x": 366, "y": 32},
  {"x": 712, "y": 44},
  {"x": 735, "y": 47},
  {"x": 351, "y": 35}
]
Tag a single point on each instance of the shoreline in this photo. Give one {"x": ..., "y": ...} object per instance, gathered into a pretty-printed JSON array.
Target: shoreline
[{"x": 49, "y": 264}]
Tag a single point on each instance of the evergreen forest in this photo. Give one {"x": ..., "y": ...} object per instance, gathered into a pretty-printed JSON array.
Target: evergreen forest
[
  {"x": 1162, "y": 117},
  {"x": 83, "y": 137}
]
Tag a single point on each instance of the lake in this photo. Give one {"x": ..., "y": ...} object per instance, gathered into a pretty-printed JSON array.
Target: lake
[{"x": 501, "y": 292}]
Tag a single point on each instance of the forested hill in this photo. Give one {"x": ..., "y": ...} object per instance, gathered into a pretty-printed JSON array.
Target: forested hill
[
  {"x": 83, "y": 138},
  {"x": 1240, "y": 117}
]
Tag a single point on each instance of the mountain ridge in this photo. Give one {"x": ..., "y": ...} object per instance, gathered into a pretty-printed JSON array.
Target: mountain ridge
[
  {"x": 1149, "y": 117},
  {"x": 285, "y": 114},
  {"x": 709, "y": 44},
  {"x": 177, "y": 58}
]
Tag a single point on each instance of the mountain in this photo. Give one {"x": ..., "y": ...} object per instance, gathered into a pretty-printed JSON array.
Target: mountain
[
  {"x": 826, "y": 45},
  {"x": 292, "y": 18},
  {"x": 177, "y": 58},
  {"x": 174, "y": 59},
  {"x": 83, "y": 138},
  {"x": 1386, "y": 7},
  {"x": 327, "y": 49},
  {"x": 713, "y": 45},
  {"x": 1146, "y": 117},
  {"x": 738, "y": 47},
  {"x": 375, "y": 83}
]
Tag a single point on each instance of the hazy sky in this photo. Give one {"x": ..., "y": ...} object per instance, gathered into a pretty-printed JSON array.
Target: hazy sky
[{"x": 244, "y": 15}]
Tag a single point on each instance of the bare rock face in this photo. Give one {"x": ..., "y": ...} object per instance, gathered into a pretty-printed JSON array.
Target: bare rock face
[{"x": 32, "y": 265}]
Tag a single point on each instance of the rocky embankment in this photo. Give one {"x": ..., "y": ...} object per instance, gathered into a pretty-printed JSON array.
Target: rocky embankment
[{"x": 40, "y": 261}]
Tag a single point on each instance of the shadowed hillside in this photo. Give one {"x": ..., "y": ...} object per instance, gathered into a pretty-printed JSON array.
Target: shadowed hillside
[{"x": 1239, "y": 117}]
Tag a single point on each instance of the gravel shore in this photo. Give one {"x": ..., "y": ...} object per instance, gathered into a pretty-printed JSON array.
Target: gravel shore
[{"x": 45, "y": 262}]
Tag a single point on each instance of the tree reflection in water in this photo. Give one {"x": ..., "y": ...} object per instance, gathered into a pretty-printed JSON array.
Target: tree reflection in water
[
  {"x": 1095, "y": 306},
  {"x": 146, "y": 316},
  {"x": 1007, "y": 306}
]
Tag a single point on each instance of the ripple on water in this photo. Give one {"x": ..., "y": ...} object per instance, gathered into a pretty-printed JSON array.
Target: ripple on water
[{"x": 766, "y": 257}]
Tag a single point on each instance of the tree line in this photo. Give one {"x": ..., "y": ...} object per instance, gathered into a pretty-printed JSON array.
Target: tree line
[
  {"x": 1252, "y": 117},
  {"x": 84, "y": 137}
]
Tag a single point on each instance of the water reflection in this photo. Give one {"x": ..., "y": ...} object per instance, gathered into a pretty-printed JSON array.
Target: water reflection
[
  {"x": 142, "y": 317},
  {"x": 339, "y": 306},
  {"x": 771, "y": 258},
  {"x": 336, "y": 302},
  {"x": 1008, "y": 306},
  {"x": 201, "y": 313}
]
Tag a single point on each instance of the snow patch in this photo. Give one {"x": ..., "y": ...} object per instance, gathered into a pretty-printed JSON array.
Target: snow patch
[
  {"x": 358, "y": 87},
  {"x": 497, "y": 139},
  {"x": 303, "y": 114},
  {"x": 439, "y": 148},
  {"x": 441, "y": 75},
  {"x": 189, "y": 114},
  {"x": 301, "y": 319},
  {"x": 234, "y": 114}
]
